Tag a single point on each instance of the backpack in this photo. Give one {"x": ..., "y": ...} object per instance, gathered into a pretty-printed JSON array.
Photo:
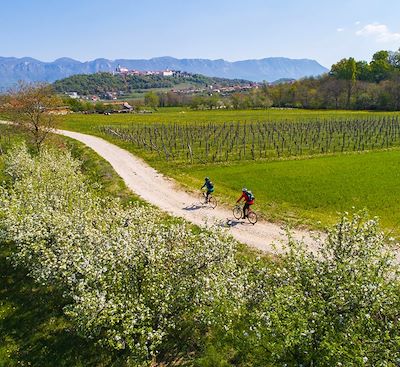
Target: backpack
[{"x": 250, "y": 195}]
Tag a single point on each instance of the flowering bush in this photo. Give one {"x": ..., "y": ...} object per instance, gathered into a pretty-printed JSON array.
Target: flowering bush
[
  {"x": 131, "y": 277},
  {"x": 339, "y": 306}
]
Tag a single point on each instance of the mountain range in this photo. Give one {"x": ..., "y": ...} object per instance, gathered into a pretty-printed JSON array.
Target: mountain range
[{"x": 269, "y": 69}]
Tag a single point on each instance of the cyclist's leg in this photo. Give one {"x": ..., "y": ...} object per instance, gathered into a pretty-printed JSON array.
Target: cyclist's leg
[
  {"x": 207, "y": 195},
  {"x": 245, "y": 210}
]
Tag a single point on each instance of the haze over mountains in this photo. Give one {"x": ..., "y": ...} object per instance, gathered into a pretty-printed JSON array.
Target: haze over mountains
[{"x": 269, "y": 69}]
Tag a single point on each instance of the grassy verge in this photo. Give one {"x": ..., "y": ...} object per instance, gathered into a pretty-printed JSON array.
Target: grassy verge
[{"x": 99, "y": 171}]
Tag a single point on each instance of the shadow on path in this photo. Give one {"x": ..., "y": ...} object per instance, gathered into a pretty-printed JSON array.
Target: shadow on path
[
  {"x": 193, "y": 207},
  {"x": 230, "y": 223}
]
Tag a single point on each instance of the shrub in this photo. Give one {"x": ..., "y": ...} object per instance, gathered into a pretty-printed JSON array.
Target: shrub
[
  {"x": 132, "y": 279},
  {"x": 338, "y": 306}
]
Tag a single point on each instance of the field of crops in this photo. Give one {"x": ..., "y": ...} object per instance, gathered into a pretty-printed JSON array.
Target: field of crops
[{"x": 216, "y": 142}]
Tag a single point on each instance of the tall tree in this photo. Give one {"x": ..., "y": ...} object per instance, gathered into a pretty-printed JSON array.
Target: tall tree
[
  {"x": 363, "y": 71},
  {"x": 380, "y": 66},
  {"x": 33, "y": 107},
  {"x": 346, "y": 69},
  {"x": 151, "y": 99}
]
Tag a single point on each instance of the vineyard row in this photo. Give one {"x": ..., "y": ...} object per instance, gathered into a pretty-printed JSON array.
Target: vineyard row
[{"x": 231, "y": 141}]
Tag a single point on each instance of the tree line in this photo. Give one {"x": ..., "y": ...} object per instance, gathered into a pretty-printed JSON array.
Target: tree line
[{"x": 350, "y": 84}]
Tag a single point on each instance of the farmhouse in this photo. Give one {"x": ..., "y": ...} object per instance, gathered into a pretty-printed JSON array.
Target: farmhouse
[
  {"x": 119, "y": 106},
  {"x": 126, "y": 107}
]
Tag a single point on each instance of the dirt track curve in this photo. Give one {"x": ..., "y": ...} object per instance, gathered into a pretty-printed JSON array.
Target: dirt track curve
[{"x": 164, "y": 193}]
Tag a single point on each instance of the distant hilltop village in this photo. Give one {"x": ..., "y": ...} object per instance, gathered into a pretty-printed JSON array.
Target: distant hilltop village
[
  {"x": 125, "y": 85},
  {"x": 125, "y": 71}
]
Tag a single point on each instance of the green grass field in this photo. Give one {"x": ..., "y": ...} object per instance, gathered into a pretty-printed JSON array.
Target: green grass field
[
  {"x": 300, "y": 191},
  {"x": 309, "y": 190}
]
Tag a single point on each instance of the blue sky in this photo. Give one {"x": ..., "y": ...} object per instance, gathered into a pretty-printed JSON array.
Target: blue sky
[{"x": 215, "y": 29}]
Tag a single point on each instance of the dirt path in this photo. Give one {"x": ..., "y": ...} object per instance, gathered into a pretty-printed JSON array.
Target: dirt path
[{"x": 164, "y": 193}]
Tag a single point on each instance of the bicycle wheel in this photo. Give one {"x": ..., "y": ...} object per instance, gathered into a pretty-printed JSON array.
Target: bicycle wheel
[
  {"x": 237, "y": 212},
  {"x": 212, "y": 201},
  {"x": 202, "y": 199},
  {"x": 252, "y": 217}
]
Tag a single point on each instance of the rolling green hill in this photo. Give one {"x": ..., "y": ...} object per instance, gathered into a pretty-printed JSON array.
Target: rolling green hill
[{"x": 85, "y": 84}]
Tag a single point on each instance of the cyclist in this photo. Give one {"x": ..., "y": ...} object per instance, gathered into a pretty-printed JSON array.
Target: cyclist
[
  {"x": 210, "y": 187},
  {"x": 248, "y": 197}
]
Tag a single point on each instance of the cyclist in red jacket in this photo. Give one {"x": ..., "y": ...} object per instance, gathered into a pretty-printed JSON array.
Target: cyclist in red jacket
[{"x": 249, "y": 200}]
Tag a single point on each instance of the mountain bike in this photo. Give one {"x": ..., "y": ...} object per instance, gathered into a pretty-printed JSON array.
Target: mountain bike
[
  {"x": 251, "y": 216},
  {"x": 212, "y": 201}
]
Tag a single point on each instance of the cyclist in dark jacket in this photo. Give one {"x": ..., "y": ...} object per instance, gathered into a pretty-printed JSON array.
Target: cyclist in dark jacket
[
  {"x": 249, "y": 200},
  {"x": 210, "y": 187}
]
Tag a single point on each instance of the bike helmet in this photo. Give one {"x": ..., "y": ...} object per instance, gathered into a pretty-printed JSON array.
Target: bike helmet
[
  {"x": 244, "y": 189},
  {"x": 207, "y": 178}
]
